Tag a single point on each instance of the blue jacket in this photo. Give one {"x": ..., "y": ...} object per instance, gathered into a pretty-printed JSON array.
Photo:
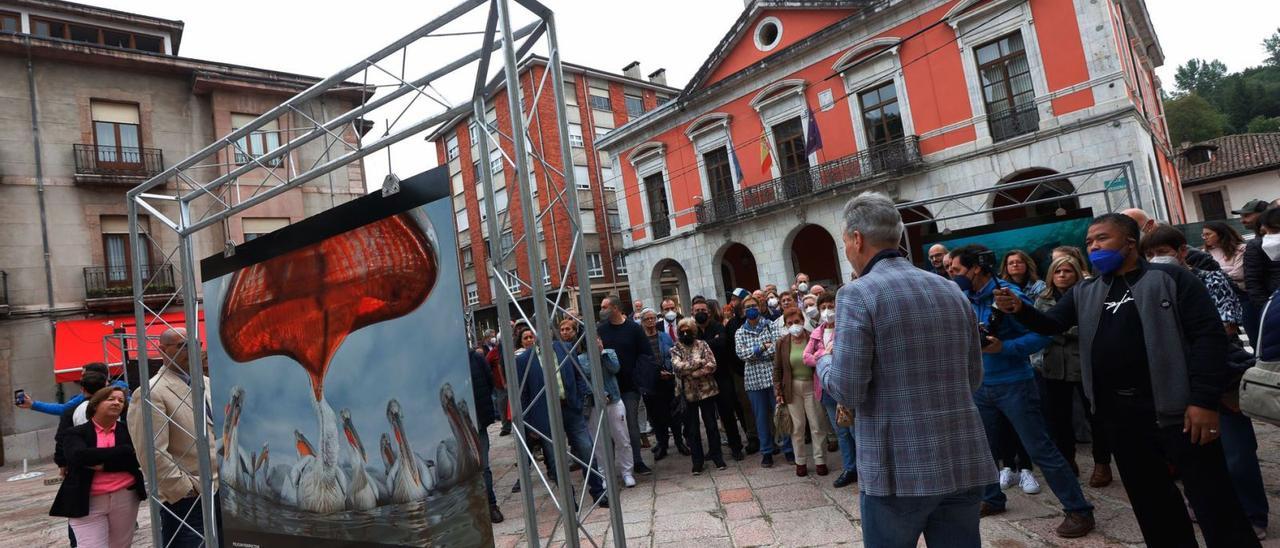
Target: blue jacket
[
  {"x": 647, "y": 373},
  {"x": 1013, "y": 362},
  {"x": 57, "y": 409},
  {"x": 576, "y": 388},
  {"x": 535, "y": 408},
  {"x": 608, "y": 364}
]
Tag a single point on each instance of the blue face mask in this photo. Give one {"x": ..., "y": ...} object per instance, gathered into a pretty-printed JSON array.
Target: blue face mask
[
  {"x": 753, "y": 313},
  {"x": 964, "y": 282},
  {"x": 1106, "y": 260}
]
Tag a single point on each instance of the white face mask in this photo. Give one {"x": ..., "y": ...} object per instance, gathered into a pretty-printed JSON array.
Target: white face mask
[
  {"x": 773, "y": 302},
  {"x": 803, "y": 287},
  {"x": 796, "y": 330},
  {"x": 670, "y": 316},
  {"x": 811, "y": 312},
  {"x": 1163, "y": 259},
  {"x": 828, "y": 316},
  {"x": 1271, "y": 246}
]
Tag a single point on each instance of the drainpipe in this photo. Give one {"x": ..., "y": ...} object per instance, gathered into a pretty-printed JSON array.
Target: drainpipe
[{"x": 35, "y": 143}]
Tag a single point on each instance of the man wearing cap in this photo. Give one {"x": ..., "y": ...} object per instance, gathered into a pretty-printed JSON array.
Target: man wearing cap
[{"x": 1249, "y": 214}]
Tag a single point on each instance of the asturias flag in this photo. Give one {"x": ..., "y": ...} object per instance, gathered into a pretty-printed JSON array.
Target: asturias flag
[
  {"x": 813, "y": 142},
  {"x": 766, "y": 157}
]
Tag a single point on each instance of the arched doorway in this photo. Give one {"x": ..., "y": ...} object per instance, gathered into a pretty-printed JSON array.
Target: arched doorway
[
  {"x": 1032, "y": 192},
  {"x": 814, "y": 252},
  {"x": 913, "y": 236},
  {"x": 670, "y": 281},
  {"x": 738, "y": 268}
]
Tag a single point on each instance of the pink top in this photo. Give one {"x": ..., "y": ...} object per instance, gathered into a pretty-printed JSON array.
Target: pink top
[
  {"x": 819, "y": 345},
  {"x": 108, "y": 482}
]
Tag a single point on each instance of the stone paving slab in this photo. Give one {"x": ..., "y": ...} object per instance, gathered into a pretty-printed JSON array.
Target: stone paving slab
[{"x": 745, "y": 505}]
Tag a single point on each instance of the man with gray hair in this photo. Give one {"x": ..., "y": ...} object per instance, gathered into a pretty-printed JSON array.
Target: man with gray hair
[{"x": 922, "y": 456}]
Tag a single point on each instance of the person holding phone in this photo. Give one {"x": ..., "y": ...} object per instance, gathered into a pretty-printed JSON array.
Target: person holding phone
[{"x": 25, "y": 401}]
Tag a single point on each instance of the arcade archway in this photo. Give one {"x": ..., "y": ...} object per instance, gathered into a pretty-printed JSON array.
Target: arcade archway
[
  {"x": 670, "y": 281},
  {"x": 813, "y": 250},
  {"x": 738, "y": 268},
  {"x": 1002, "y": 198}
]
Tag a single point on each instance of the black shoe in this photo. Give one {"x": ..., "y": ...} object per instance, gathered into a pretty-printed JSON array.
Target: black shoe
[
  {"x": 846, "y": 478},
  {"x": 506, "y": 430},
  {"x": 720, "y": 465},
  {"x": 642, "y": 469},
  {"x": 602, "y": 501},
  {"x": 766, "y": 461},
  {"x": 753, "y": 448},
  {"x": 495, "y": 515},
  {"x": 659, "y": 453},
  {"x": 985, "y": 510},
  {"x": 682, "y": 448},
  {"x": 791, "y": 458},
  {"x": 697, "y": 469},
  {"x": 516, "y": 488},
  {"x": 737, "y": 455}
]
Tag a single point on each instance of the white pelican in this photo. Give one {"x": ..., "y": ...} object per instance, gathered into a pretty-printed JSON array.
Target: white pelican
[
  {"x": 408, "y": 477},
  {"x": 268, "y": 481},
  {"x": 363, "y": 492},
  {"x": 234, "y": 467},
  {"x": 447, "y": 469},
  {"x": 315, "y": 484}
]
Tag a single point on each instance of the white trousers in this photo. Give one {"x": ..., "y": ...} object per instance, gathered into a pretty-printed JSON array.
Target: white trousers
[{"x": 616, "y": 418}]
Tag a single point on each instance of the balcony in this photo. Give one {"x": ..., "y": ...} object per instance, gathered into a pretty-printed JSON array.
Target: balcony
[
  {"x": 881, "y": 161},
  {"x": 1010, "y": 123},
  {"x": 661, "y": 228},
  {"x": 116, "y": 165},
  {"x": 111, "y": 287}
]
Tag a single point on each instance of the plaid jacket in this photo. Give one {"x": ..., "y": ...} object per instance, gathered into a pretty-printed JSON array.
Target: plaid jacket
[
  {"x": 757, "y": 373},
  {"x": 906, "y": 361}
]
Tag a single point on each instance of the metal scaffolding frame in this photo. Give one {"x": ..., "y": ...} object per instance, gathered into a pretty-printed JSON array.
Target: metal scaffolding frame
[{"x": 173, "y": 197}]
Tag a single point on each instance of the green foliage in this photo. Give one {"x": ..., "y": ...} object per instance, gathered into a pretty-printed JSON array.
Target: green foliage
[
  {"x": 1199, "y": 76},
  {"x": 1192, "y": 119},
  {"x": 1272, "y": 45},
  {"x": 1260, "y": 124}
]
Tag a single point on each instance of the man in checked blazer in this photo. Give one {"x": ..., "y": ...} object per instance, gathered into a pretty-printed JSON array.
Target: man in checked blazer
[{"x": 906, "y": 361}]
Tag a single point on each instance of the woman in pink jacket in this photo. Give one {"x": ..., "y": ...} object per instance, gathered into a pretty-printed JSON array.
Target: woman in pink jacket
[{"x": 820, "y": 347}]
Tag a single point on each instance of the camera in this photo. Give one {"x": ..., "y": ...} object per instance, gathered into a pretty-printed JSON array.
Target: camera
[
  {"x": 987, "y": 260},
  {"x": 19, "y": 396}
]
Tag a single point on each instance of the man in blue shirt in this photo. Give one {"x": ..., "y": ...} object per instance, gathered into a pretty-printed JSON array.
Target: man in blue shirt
[
  {"x": 1009, "y": 389},
  {"x": 57, "y": 409}
]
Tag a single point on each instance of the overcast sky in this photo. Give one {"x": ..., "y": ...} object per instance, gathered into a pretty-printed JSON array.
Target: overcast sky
[{"x": 604, "y": 34}]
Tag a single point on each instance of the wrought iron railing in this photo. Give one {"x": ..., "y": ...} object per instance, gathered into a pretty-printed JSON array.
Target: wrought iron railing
[
  {"x": 117, "y": 161},
  {"x": 889, "y": 158},
  {"x": 105, "y": 282},
  {"x": 1006, "y": 124},
  {"x": 661, "y": 228}
]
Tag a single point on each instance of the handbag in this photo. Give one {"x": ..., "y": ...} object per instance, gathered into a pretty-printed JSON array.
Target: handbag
[
  {"x": 1260, "y": 385},
  {"x": 782, "y": 421},
  {"x": 844, "y": 417}
]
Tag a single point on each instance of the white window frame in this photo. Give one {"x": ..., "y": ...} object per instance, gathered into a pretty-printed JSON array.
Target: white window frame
[
  {"x": 575, "y": 136},
  {"x": 595, "y": 265},
  {"x": 473, "y": 294},
  {"x": 708, "y": 132},
  {"x": 512, "y": 281},
  {"x": 755, "y": 33},
  {"x": 619, "y": 265},
  {"x": 607, "y": 179},
  {"x": 460, "y": 218},
  {"x": 451, "y": 145},
  {"x": 777, "y": 103},
  {"x": 627, "y": 96},
  {"x": 975, "y": 28},
  {"x": 495, "y": 161},
  {"x": 608, "y": 97},
  {"x": 471, "y": 132},
  {"x": 484, "y": 211},
  {"x": 587, "y": 221},
  {"x": 468, "y": 257},
  {"x": 609, "y": 220},
  {"x": 868, "y": 74},
  {"x": 500, "y": 200},
  {"x": 648, "y": 159},
  {"x": 546, "y": 273},
  {"x": 581, "y": 177}
]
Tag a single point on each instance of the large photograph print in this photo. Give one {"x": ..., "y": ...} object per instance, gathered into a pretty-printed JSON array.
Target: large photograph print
[
  {"x": 1037, "y": 236},
  {"x": 340, "y": 380}
]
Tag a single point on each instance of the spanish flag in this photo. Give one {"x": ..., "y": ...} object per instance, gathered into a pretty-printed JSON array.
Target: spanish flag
[{"x": 766, "y": 156}]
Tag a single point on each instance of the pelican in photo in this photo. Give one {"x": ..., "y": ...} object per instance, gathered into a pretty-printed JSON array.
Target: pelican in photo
[
  {"x": 268, "y": 480},
  {"x": 447, "y": 465},
  {"x": 408, "y": 477},
  {"x": 315, "y": 483},
  {"x": 363, "y": 491},
  {"x": 234, "y": 467}
]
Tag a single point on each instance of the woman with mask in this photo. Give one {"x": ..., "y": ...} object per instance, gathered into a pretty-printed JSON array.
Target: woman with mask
[
  {"x": 773, "y": 307},
  {"x": 532, "y": 401},
  {"x": 1262, "y": 267},
  {"x": 794, "y": 386},
  {"x": 1020, "y": 270},
  {"x": 820, "y": 345},
  {"x": 754, "y": 343},
  {"x": 1060, "y": 369},
  {"x": 660, "y": 381},
  {"x": 695, "y": 365}
]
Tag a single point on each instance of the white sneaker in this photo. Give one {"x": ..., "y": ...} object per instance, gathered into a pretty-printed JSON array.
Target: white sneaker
[
  {"x": 1006, "y": 478},
  {"x": 628, "y": 480},
  {"x": 1028, "y": 482}
]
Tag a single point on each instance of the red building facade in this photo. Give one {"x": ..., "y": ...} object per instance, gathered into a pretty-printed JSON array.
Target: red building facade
[{"x": 920, "y": 99}]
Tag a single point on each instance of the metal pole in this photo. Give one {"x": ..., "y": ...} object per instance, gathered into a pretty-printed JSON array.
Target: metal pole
[
  {"x": 584, "y": 283},
  {"x": 144, "y": 371},
  {"x": 542, "y": 317},
  {"x": 196, "y": 372}
]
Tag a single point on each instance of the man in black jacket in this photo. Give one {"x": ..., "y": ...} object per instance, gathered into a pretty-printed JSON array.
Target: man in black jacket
[
  {"x": 1261, "y": 271},
  {"x": 482, "y": 391},
  {"x": 717, "y": 338},
  {"x": 1152, "y": 356}
]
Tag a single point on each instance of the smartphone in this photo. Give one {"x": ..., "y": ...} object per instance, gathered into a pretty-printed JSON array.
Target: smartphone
[{"x": 19, "y": 396}]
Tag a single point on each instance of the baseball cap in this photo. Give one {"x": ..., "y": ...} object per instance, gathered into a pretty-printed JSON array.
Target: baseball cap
[
  {"x": 741, "y": 293},
  {"x": 1252, "y": 206}
]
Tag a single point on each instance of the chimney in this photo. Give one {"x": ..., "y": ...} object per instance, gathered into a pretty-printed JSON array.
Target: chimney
[
  {"x": 659, "y": 77},
  {"x": 632, "y": 70}
]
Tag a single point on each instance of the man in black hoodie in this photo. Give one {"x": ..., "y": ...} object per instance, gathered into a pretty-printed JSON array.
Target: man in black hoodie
[
  {"x": 1153, "y": 361},
  {"x": 482, "y": 394}
]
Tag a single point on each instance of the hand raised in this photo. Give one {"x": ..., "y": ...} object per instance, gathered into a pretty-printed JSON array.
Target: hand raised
[{"x": 1006, "y": 301}]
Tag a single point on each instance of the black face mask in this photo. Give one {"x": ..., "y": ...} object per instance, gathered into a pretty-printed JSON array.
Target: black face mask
[
  {"x": 686, "y": 338},
  {"x": 701, "y": 317}
]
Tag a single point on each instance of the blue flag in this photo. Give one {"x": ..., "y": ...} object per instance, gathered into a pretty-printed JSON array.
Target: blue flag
[
  {"x": 733, "y": 161},
  {"x": 812, "y": 142}
]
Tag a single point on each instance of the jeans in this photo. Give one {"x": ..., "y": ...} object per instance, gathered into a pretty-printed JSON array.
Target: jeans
[
  {"x": 763, "y": 402},
  {"x": 1142, "y": 449},
  {"x": 707, "y": 409},
  {"x": 1240, "y": 447},
  {"x": 804, "y": 411},
  {"x": 944, "y": 520},
  {"x": 484, "y": 463},
  {"x": 1020, "y": 403},
  {"x": 184, "y": 528},
  {"x": 727, "y": 408},
  {"x": 844, "y": 435},
  {"x": 631, "y": 401},
  {"x": 575, "y": 429},
  {"x": 1010, "y": 453}
]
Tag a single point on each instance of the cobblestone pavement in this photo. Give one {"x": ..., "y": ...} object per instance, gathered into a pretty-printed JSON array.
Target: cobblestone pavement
[{"x": 744, "y": 505}]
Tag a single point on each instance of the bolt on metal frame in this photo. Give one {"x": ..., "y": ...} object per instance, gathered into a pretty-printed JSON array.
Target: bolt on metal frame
[{"x": 224, "y": 198}]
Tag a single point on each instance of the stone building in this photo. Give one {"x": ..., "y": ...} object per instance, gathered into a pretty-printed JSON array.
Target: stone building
[
  {"x": 967, "y": 112},
  {"x": 93, "y": 102},
  {"x": 597, "y": 102}
]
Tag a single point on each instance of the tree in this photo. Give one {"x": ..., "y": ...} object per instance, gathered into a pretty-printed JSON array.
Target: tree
[
  {"x": 1199, "y": 76},
  {"x": 1272, "y": 45},
  {"x": 1191, "y": 119},
  {"x": 1262, "y": 124}
]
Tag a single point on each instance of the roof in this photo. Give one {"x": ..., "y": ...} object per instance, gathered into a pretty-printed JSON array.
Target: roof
[
  {"x": 1234, "y": 155},
  {"x": 174, "y": 28},
  {"x": 569, "y": 67}
]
